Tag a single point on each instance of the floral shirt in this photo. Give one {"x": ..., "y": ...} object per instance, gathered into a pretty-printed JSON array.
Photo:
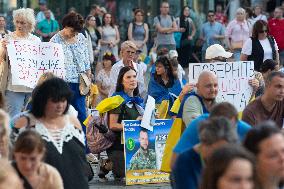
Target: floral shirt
[{"x": 76, "y": 56}]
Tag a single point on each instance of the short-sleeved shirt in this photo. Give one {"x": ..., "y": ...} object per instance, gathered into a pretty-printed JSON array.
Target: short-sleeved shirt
[
  {"x": 193, "y": 108},
  {"x": 46, "y": 26},
  {"x": 76, "y": 56},
  {"x": 256, "y": 113},
  {"x": 247, "y": 48},
  {"x": 276, "y": 29},
  {"x": 165, "y": 22},
  {"x": 208, "y": 31},
  {"x": 187, "y": 170},
  {"x": 129, "y": 112},
  {"x": 190, "y": 137}
]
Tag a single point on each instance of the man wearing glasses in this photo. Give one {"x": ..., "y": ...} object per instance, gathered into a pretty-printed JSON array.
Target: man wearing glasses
[
  {"x": 128, "y": 53},
  {"x": 212, "y": 32}
]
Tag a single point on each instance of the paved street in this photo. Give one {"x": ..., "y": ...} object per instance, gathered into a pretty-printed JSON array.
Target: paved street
[{"x": 111, "y": 184}]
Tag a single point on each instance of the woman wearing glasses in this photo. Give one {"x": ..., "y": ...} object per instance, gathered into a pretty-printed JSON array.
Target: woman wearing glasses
[{"x": 260, "y": 46}]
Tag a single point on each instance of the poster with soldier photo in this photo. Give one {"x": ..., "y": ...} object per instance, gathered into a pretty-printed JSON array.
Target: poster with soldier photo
[{"x": 144, "y": 151}]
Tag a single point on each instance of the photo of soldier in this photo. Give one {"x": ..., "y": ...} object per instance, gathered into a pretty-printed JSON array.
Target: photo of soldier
[{"x": 144, "y": 158}]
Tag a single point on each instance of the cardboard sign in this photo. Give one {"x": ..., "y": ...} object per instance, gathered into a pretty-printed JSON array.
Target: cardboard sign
[
  {"x": 144, "y": 151},
  {"x": 233, "y": 80},
  {"x": 29, "y": 60}
]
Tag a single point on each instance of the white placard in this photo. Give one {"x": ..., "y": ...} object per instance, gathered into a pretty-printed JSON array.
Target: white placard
[
  {"x": 233, "y": 78},
  {"x": 148, "y": 113},
  {"x": 29, "y": 60}
]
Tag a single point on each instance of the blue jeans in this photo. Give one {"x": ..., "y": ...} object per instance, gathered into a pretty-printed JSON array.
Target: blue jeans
[
  {"x": 79, "y": 103},
  {"x": 16, "y": 101},
  {"x": 237, "y": 54}
]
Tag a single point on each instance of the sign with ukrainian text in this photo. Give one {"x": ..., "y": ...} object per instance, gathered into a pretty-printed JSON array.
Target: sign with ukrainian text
[
  {"x": 29, "y": 60},
  {"x": 144, "y": 151},
  {"x": 233, "y": 80}
]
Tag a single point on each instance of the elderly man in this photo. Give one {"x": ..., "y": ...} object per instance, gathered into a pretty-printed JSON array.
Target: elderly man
[
  {"x": 128, "y": 51},
  {"x": 213, "y": 133},
  {"x": 270, "y": 106}
]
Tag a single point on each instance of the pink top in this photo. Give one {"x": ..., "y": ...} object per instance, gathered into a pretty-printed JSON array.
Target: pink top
[{"x": 238, "y": 31}]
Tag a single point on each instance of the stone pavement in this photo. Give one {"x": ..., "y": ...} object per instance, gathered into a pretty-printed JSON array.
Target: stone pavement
[{"x": 111, "y": 184}]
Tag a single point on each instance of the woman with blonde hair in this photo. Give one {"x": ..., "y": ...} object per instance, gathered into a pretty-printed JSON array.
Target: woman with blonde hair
[
  {"x": 237, "y": 32},
  {"x": 16, "y": 95}
]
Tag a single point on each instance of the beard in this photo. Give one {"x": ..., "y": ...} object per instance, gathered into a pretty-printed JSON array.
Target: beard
[{"x": 209, "y": 99}]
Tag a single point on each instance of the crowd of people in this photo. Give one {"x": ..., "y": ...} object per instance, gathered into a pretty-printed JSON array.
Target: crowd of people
[{"x": 43, "y": 130}]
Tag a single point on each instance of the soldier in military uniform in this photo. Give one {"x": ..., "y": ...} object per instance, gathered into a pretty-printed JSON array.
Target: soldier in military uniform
[{"x": 144, "y": 158}]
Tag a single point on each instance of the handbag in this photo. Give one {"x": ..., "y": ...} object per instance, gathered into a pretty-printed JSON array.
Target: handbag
[
  {"x": 84, "y": 84},
  {"x": 84, "y": 81}
]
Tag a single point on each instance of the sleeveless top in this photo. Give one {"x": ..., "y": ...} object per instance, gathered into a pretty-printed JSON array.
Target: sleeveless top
[
  {"x": 65, "y": 151},
  {"x": 108, "y": 33},
  {"x": 138, "y": 32}
]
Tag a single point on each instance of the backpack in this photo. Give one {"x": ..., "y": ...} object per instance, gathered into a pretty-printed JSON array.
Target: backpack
[{"x": 99, "y": 136}]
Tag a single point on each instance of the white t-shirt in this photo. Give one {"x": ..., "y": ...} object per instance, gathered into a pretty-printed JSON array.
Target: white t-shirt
[
  {"x": 247, "y": 48},
  {"x": 260, "y": 17}
]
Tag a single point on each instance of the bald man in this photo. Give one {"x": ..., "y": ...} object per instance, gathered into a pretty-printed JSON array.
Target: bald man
[{"x": 203, "y": 99}]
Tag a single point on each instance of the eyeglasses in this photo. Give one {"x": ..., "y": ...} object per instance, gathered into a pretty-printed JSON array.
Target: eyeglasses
[
  {"x": 262, "y": 31},
  {"x": 130, "y": 52}
]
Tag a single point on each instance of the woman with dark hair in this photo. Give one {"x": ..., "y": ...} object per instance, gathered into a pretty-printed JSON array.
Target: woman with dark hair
[
  {"x": 186, "y": 38},
  {"x": 229, "y": 167},
  {"x": 29, "y": 151},
  {"x": 110, "y": 36},
  {"x": 94, "y": 36},
  {"x": 76, "y": 59},
  {"x": 62, "y": 132},
  {"x": 164, "y": 86},
  {"x": 138, "y": 31},
  {"x": 249, "y": 18},
  {"x": 260, "y": 46},
  {"x": 103, "y": 78},
  {"x": 266, "y": 142},
  {"x": 125, "y": 104}
]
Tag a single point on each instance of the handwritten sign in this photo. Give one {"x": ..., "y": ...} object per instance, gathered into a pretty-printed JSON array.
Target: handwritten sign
[
  {"x": 29, "y": 60},
  {"x": 233, "y": 78}
]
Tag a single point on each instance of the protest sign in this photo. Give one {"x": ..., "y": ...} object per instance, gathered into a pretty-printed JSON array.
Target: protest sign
[
  {"x": 144, "y": 151},
  {"x": 29, "y": 60},
  {"x": 232, "y": 77}
]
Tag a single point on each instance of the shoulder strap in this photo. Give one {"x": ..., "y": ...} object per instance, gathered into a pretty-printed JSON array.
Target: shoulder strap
[{"x": 159, "y": 18}]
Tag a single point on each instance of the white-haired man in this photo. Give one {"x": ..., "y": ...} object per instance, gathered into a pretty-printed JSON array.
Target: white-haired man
[{"x": 128, "y": 51}]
